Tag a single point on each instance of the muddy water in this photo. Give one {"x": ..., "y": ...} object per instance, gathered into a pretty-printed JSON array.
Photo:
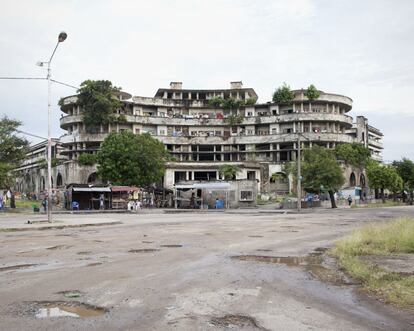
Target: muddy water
[
  {"x": 143, "y": 250},
  {"x": 68, "y": 309},
  {"x": 172, "y": 246},
  {"x": 312, "y": 263},
  {"x": 17, "y": 267},
  {"x": 291, "y": 261}
]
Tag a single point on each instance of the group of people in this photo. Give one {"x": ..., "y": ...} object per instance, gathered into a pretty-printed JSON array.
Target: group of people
[{"x": 6, "y": 198}]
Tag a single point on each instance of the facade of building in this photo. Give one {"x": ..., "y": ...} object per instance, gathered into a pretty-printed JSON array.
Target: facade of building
[{"x": 201, "y": 135}]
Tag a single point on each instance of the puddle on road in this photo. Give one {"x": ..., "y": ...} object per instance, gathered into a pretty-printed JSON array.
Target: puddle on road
[
  {"x": 58, "y": 247},
  {"x": 147, "y": 242},
  {"x": 239, "y": 321},
  {"x": 17, "y": 267},
  {"x": 291, "y": 261},
  {"x": 313, "y": 263},
  {"x": 143, "y": 250},
  {"x": 68, "y": 309},
  {"x": 172, "y": 246},
  {"x": 255, "y": 236},
  {"x": 264, "y": 250},
  {"x": 84, "y": 253},
  {"x": 94, "y": 264}
]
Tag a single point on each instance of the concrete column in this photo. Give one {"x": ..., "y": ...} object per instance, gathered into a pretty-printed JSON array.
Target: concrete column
[
  {"x": 217, "y": 175},
  {"x": 310, "y": 126},
  {"x": 187, "y": 175},
  {"x": 294, "y": 126},
  {"x": 301, "y": 107},
  {"x": 327, "y": 144},
  {"x": 278, "y": 157}
]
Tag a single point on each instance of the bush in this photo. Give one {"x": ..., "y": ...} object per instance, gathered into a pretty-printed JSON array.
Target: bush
[
  {"x": 283, "y": 94},
  {"x": 87, "y": 159}
]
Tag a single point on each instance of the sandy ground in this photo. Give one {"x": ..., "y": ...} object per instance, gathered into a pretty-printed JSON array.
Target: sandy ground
[{"x": 135, "y": 272}]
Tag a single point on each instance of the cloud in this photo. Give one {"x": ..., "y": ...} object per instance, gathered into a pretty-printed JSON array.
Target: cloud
[{"x": 359, "y": 49}]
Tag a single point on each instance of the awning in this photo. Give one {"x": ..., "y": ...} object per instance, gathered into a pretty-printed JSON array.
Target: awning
[
  {"x": 210, "y": 186},
  {"x": 124, "y": 188},
  {"x": 91, "y": 189}
]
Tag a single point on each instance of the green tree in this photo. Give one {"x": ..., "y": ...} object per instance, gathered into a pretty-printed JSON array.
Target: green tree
[
  {"x": 98, "y": 102},
  {"x": 215, "y": 102},
  {"x": 129, "y": 159},
  {"x": 382, "y": 177},
  {"x": 87, "y": 159},
  {"x": 405, "y": 169},
  {"x": 229, "y": 171},
  {"x": 321, "y": 171},
  {"x": 283, "y": 94},
  {"x": 355, "y": 154},
  {"x": 12, "y": 149},
  {"x": 232, "y": 103},
  {"x": 312, "y": 93},
  {"x": 251, "y": 101}
]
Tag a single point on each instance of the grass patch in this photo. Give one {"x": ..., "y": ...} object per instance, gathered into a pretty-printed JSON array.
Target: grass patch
[
  {"x": 379, "y": 204},
  {"x": 28, "y": 203},
  {"x": 386, "y": 239}
]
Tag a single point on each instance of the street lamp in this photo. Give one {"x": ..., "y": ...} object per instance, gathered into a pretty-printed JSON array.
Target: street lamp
[
  {"x": 61, "y": 38},
  {"x": 299, "y": 171}
]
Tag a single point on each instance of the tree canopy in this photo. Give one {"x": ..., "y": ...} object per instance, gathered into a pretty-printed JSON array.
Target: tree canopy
[
  {"x": 229, "y": 171},
  {"x": 12, "y": 149},
  {"x": 355, "y": 154},
  {"x": 283, "y": 94},
  {"x": 383, "y": 177},
  {"x": 312, "y": 93},
  {"x": 321, "y": 171},
  {"x": 405, "y": 169},
  {"x": 98, "y": 102},
  {"x": 129, "y": 159}
]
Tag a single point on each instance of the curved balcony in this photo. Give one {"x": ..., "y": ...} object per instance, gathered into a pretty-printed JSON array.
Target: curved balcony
[
  {"x": 325, "y": 97},
  {"x": 220, "y": 140},
  {"x": 256, "y": 139},
  {"x": 375, "y": 143},
  {"x": 154, "y": 120},
  {"x": 82, "y": 137}
]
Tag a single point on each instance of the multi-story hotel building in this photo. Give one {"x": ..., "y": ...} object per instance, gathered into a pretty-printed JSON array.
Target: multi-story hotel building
[{"x": 258, "y": 137}]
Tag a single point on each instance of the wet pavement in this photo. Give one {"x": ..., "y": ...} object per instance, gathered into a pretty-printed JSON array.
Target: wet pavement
[{"x": 188, "y": 271}]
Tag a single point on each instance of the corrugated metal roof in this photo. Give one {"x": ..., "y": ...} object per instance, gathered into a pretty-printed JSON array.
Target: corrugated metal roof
[
  {"x": 91, "y": 189},
  {"x": 211, "y": 186}
]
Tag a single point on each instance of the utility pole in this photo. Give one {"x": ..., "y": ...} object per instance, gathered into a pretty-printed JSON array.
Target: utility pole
[
  {"x": 299, "y": 175},
  {"x": 62, "y": 37}
]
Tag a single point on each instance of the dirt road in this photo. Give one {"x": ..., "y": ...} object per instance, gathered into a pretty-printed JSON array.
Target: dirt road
[{"x": 187, "y": 271}]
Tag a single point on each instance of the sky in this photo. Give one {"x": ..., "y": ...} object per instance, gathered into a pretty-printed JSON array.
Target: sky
[{"x": 361, "y": 49}]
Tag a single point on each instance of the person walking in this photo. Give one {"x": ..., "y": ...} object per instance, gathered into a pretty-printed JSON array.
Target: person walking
[
  {"x": 102, "y": 202},
  {"x": 349, "y": 200}
]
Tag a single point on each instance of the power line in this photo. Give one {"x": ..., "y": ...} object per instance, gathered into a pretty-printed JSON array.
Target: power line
[
  {"x": 38, "y": 78},
  {"x": 25, "y": 78},
  {"x": 65, "y": 84}
]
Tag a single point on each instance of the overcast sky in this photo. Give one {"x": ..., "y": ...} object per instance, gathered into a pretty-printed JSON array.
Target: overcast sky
[{"x": 362, "y": 49}]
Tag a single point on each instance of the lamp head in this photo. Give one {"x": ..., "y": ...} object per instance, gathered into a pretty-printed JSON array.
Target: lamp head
[{"x": 62, "y": 36}]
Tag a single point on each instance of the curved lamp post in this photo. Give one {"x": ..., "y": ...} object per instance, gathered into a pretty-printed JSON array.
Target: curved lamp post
[{"x": 61, "y": 38}]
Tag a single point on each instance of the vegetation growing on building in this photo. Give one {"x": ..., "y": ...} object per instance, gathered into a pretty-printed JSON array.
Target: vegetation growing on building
[
  {"x": 312, "y": 93},
  {"x": 229, "y": 171},
  {"x": 87, "y": 159},
  {"x": 283, "y": 94},
  {"x": 99, "y": 103}
]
